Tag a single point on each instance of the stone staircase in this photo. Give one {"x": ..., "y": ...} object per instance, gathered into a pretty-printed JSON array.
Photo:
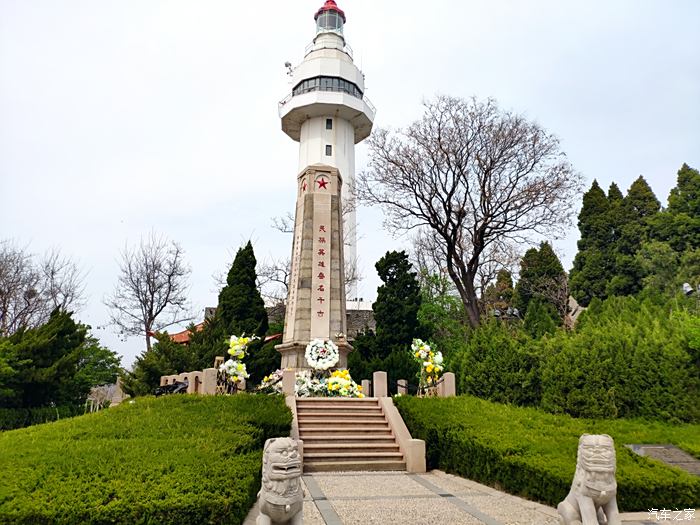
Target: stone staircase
[{"x": 346, "y": 434}]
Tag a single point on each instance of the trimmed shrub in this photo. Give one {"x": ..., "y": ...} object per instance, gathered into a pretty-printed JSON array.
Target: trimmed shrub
[
  {"x": 175, "y": 459},
  {"x": 497, "y": 364},
  {"x": 533, "y": 454},
  {"x": 12, "y": 418},
  {"x": 627, "y": 358}
]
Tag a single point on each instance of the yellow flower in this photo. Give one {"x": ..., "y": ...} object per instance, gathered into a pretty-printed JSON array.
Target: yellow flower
[{"x": 359, "y": 387}]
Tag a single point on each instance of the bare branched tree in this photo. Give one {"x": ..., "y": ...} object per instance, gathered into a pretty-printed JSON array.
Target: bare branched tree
[
  {"x": 473, "y": 175},
  {"x": 151, "y": 292},
  {"x": 63, "y": 281},
  {"x": 273, "y": 280},
  {"x": 498, "y": 256},
  {"x": 31, "y": 289},
  {"x": 284, "y": 224},
  {"x": 553, "y": 290}
]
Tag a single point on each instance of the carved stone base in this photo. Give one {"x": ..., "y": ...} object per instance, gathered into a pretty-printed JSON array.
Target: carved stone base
[{"x": 293, "y": 355}]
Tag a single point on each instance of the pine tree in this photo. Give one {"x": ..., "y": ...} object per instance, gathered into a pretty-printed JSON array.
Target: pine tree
[
  {"x": 685, "y": 197},
  {"x": 614, "y": 194},
  {"x": 57, "y": 362},
  {"x": 598, "y": 223},
  {"x": 616, "y": 214},
  {"x": 240, "y": 310},
  {"x": 639, "y": 208},
  {"x": 396, "y": 316},
  {"x": 542, "y": 277},
  {"x": 397, "y": 305},
  {"x": 679, "y": 224},
  {"x": 541, "y": 318},
  {"x": 499, "y": 295},
  {"x": 593, "y": 220},
  {"x": 165, "y": 357}
]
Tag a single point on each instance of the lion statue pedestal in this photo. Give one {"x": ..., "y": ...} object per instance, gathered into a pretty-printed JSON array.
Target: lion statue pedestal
[
  {"x": 593, "y": 496},
  {"x": 281, "y": 497}
]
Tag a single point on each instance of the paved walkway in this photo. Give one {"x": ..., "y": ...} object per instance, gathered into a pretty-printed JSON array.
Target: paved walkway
[{"x": 434, "y": 498}]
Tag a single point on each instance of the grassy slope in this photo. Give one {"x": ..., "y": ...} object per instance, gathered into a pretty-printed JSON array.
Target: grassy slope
[
  {"x": 532, "y": 453},
  {"x": 167, "y": 460}
]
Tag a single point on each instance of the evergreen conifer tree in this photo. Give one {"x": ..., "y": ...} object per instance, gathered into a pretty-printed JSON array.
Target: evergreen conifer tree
[
  {"x": 685, "y": 197},
  {"x": 57, "y": 362},
  {"x": 639, "y": 207},
  {"x": 594, "y": 261},
  {"x": 593, "y": 220},
  {"x": 679, "y": 224},
  {"x": 397, "y": 305},
  {"x": 165, "y": 357},
  {"x": 542, "y": 277},
  {"x": 396, "y": 316},
  {"x": 614, "y": 193},
  {"x": 499, "y": 295},
  {"x": 540, "y": 319},
  {"x": 241, "y": 310}
]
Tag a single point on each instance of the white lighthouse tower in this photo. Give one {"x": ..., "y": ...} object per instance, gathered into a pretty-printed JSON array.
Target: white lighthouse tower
[{"x": 327, "y": 112}]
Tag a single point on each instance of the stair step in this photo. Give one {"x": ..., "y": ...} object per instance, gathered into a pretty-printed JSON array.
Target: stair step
[
  {"x": 337, "y": 399},
  {"x": 343, "y": 407},
  {"x": 369, "y": 422},
  {"x": 352, "y": 431},
  {"x": 347, "y": 439},
  {"x": 339, "y": 406},
  {"x": 352, "y": 456},
  {"x": 335, "y": 412},
  {"x": 339, "y": 466},
  {"x": 340, "y": 448}
]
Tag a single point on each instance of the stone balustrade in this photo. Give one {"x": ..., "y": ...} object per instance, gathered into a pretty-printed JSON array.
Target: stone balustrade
[
  {"x": 201, "y": 382},
  {"x": 378, "y": 386}
]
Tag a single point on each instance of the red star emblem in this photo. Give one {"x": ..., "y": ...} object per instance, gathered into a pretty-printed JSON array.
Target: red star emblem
[{"x": 322, "y": 184}]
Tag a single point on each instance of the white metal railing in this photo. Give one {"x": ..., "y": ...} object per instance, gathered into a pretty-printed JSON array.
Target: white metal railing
[
  {"x": 313, "y": 46},
  {"x": 371, "y": 106},
  {"x": 286, "y": 99}
]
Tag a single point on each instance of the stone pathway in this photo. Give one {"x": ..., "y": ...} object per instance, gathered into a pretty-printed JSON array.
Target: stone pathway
[{"x": 434, "y": 498}]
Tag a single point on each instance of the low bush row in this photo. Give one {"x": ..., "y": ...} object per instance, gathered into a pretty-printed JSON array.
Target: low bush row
[
  {"x": 177, "y": 459},
  {"x": 626, "y": 358},
  {"x": 12, "y": 418},
  {"x": 533, "y": 454}
]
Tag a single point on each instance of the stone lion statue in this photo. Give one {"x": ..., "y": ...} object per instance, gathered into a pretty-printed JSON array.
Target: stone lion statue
[
  {"x": 592, "y": 499},
  {"x": 281, "y": 497}
]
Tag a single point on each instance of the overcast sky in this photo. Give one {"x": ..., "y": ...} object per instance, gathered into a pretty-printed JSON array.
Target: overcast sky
[{"x": 122, "y": 117}]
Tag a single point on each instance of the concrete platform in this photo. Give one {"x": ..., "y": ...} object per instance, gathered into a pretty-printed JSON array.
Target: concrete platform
[{"x": 344, "y": 498}]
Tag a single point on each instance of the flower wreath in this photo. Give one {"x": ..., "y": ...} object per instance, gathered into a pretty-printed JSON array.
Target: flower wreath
[{"x": 321, "y": 355}]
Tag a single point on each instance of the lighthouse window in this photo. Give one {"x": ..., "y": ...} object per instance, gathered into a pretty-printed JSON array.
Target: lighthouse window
[
  {"x": 329, "y": 150},
  {"x": 329, "y": 21},
  {"x": 336, "y": 84},
  {"x": 329, "y": 123}
]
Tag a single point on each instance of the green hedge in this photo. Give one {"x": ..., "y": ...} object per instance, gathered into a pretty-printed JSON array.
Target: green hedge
[
  {"x": 533, "y": 454},
  {"x": 175, "y": 459},
  {"x": 626, "y": 358},
  {"x": 12, "y": 418}
]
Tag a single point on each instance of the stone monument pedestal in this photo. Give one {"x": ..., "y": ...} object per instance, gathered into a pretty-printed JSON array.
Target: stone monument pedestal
[
  {"x": 293, "y": 355},
  {"x": 316, "y": 300}
]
